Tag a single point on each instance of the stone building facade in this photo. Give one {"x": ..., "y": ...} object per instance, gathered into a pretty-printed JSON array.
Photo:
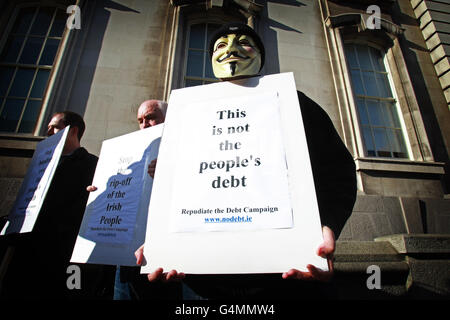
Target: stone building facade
[{"x": 380, "y": 69}]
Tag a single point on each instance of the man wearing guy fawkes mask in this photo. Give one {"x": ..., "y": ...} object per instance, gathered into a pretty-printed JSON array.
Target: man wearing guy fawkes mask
[{"x": 237, "y": 52}]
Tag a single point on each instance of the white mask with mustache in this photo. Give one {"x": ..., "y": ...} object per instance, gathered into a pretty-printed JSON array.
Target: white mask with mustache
[{"x": 235, "y": 56}]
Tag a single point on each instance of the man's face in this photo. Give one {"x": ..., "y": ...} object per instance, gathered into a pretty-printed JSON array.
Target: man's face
[
  {"x": 55, "y": 125},
  {"x": 149, "y": 115},
  {"x": 235, "y": 56}
]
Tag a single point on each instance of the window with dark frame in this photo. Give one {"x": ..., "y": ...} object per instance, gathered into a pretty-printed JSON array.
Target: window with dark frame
[
  {"x": 198, "y": 63},
  {"x": 377, "y": 108},
  {"x": 26, "y": 61}
]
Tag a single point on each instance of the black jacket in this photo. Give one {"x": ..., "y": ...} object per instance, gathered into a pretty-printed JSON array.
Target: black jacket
[
  {"x": 63, "y": 208},
  {"x": 332, "y": 165},
  {"x": 38, "y": 268}
]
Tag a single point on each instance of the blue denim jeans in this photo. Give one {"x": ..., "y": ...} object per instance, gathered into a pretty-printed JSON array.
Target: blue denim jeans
[{"x": 121, "y": 289}]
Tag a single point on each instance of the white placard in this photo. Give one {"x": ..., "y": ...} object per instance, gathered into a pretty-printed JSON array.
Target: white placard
[
  {"x": 234, "y": 250},
  {"x": 37, "y": 180},
  {"x": 114, "y": 221},
  {"x": 234, "y": 157}
]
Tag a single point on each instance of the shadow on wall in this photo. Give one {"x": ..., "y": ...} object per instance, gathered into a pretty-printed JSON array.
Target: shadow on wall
[
  {"x": 74, "y": 79},
  {"x": 269, "y": 34}
]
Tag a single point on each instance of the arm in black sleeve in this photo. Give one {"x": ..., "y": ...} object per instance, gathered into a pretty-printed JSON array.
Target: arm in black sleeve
[{"x": 332, "y": 165}]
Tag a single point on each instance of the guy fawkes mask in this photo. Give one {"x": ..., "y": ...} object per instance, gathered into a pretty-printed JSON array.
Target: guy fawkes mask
[{"x": 235, "y": 56}]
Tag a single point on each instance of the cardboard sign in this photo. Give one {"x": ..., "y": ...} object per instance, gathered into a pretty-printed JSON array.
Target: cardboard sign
[
  {"x": 35, "y": 185},
  {"x": 114, "y": 221},
  {"x": 233, "y": 190}
]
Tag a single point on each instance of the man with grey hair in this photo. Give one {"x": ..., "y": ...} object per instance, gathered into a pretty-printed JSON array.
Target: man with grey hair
[{"x": 151, "y": 113}]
